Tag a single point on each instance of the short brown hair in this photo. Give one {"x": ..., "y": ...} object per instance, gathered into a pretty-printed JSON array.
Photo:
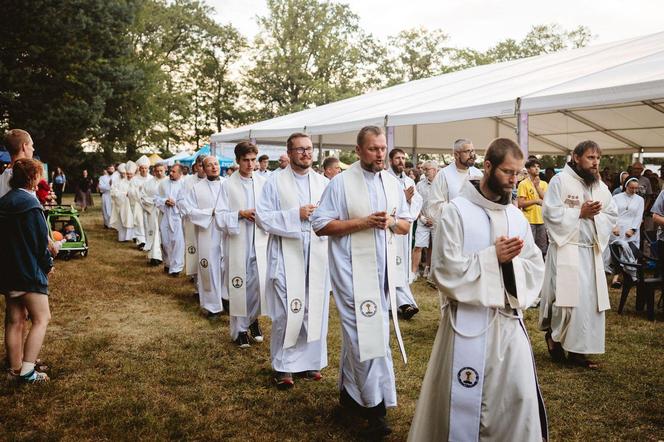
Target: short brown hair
[
  {"x": 25, "y": 172},
  {"x": 289, "y": 141},
  {"x": 14, "y": 138},
  {"x": 498, "y": 150},
  {"x": 329, "y": 162},
  {"x": 362, "y": 134},
  {"x": 244, "y": 148},
  {"x": 263, "y": 158},
  {"x": 583, "y": 146}
]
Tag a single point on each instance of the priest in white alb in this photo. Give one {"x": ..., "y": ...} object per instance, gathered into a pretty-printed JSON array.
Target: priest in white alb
[
  {"x": 579, "y": 215},
  {"x": 298, "y": 288},
  {"x": 135, "y": 190},
  {"x": 191, "y": 260},
  {"x": 122, "y": 219},
  {"x": 104, "y": 187},
  {"x": 244, "y": 247},
  {"x": 481, "y": 382},
  {"x": 170, "y": 226},
  {"x": 152, "y": 215},
  {"x": 202, "y": 201},
  {"x": 361, "y": 211},
  {"x": 448, "y": 182},
  {"x": 405, "y": 299}
]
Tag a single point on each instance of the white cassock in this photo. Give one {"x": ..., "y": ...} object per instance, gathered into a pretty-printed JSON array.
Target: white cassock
[
  {"x": 244, "y": 279},
  {"x": 423, "y": 232},
  {"x": 106, "y": 202},
  {"x": 481, "y": 382},
  {"x": 135, "y": 190},
  {"x": 264, "y": 173},
  {"x": 201, "y": 202},
  {"x": 404, "y": 294},
  {"x": 122, "y": 218},
  {"x": 170, "y": 225},
  {"x": 575, "y": 294},
  {"x": 367, "y": 372},
  {"x": 190, "y": 246},
  {"x": 298, "y": 287},
  {"x": 446, "y": 186},
  {"x": 151, "y": 218}
]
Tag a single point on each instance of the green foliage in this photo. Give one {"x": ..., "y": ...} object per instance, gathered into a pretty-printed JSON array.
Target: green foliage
[
  {"x": 307, "y": 53},
  {"x": 59, "y": 62}
]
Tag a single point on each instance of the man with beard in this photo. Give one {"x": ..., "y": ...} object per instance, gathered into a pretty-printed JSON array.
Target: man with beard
[
  {"x": 135, "y": 191},
  {"x": 244, "y": 247},
  {"x": 424, "y": 221},
  {"x": 201, "y": 202},
  {"x": 170, "y": 226},
  {"x": 104, "y": 187},
  {"x": 481, "y": 383},
  {"x": 361, "y": 212},
  {"x": 446, "y": 185},
  {"x": 298, "y": 288},
  {"x": 405, "y": 300},
  {"x": 579, "y": 215},
  {"x": 152, "y": 215}
]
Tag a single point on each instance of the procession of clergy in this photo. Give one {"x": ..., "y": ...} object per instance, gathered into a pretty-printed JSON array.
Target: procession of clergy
[{"x": 276, "y": 244}]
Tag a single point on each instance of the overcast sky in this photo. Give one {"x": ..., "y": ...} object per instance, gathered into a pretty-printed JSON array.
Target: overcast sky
[{"x": 479, "y": 23}]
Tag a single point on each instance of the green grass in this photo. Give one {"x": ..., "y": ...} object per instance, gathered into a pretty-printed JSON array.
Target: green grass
[{"x": 132, "y": 358}]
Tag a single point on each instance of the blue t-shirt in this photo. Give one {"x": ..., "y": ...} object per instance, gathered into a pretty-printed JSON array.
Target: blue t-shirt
[{"x": 59, "y": 179}]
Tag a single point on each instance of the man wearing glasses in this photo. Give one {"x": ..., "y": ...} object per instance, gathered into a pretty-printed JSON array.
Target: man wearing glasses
[
  {"x": 446, "y": 185},
  {"x": 298, "y": 287}
]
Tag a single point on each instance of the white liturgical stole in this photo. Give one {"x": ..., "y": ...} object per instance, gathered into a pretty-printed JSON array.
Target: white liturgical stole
[
  {"x": 367, "y": 288},
  {"x": 237, "y": 264},
  {"x": 295, "y": 265},
  {"x": 454, "y": 180},
  {"x": 481, "y": 227},
  {"x": 206, "y": 199}
]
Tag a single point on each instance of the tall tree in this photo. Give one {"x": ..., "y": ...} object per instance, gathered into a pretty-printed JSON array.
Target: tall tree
[
  {"x": 307, "y": 53},
  {"x": 58, "y": 64}
]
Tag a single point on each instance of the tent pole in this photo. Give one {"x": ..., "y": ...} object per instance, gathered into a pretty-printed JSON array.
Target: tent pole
[
  {"x": 522, "y": 131},
  {"x": 389, "y": 135},
  {"x": 414, "y": 155},
  {"x": 320, "y": 150},
  {"x": 213, "y": 148}
]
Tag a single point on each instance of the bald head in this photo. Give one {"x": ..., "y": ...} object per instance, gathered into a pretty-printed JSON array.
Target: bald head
[{"x": 284, "y": 161}]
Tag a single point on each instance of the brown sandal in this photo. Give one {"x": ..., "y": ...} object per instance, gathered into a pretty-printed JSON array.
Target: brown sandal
[{"x": 581, "y": 361}]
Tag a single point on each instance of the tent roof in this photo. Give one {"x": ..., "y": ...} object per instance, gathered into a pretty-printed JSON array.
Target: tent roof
[{"x": 612, "y": 93}]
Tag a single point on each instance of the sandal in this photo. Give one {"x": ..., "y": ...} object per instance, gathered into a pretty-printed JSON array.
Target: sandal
[
  {"x": 581, "y": 361},
  {"x": 555, "y": 349},
  {"x": 616, "y": 285}
]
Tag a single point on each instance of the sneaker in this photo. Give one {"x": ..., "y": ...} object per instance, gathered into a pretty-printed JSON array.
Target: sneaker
[
  {"x": 283, "y": 380},
  {"x": 140, "y": 246},
  {"x": 255, "y": 331},
  {"x": 408, "y": 311},
  {"x": 313, "y": 375},
  {"x": 34, "y": 377},
  {"x": 213, "y": 316},
  {"x": 243, "y": 340},
  {"x": 154, "y": 262}
]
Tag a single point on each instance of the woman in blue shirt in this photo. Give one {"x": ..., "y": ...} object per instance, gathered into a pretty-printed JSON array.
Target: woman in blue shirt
[
  {"x": 25, "y": 264},
  {"x": 58, "y": 183}
]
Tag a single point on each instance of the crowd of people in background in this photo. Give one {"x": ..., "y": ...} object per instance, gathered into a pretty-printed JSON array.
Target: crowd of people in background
[{"x": 259, "y": 242}]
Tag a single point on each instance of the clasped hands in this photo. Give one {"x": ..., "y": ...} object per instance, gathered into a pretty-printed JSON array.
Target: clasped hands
[{"x": 508, "y": 248}]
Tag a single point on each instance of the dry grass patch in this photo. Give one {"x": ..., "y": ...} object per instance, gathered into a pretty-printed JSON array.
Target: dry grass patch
[{"x": 132, "y": 358}]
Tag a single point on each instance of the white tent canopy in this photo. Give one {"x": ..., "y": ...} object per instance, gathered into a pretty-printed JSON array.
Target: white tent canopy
[{"x": 612, "y": 93}]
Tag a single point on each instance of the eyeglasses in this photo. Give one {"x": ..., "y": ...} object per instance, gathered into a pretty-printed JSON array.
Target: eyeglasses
[
  {"x": 301, "y": 150},
  {"x": 509, "y": 172}
]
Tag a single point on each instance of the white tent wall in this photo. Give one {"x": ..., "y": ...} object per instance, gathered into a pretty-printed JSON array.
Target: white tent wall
[{"x": 612, "y": 93}]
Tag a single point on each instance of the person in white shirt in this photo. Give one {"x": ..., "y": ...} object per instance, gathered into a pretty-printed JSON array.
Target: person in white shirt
[
  {"x": 425, "y": 220},
  {"x": 263, "y": 162}
]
